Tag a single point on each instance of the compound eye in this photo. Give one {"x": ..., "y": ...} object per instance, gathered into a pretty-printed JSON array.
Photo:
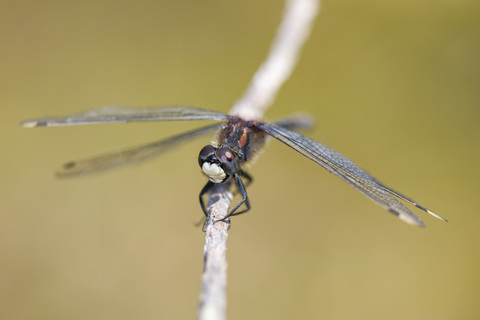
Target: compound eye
[
  {"x": 229, "y": 160},
  {"x": 225, "y": 155},
  {"x": 206, "y": 152}
]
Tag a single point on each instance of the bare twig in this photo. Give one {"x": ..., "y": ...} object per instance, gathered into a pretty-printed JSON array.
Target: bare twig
[
  {"x": 213, "y": 300},
  {"x": 291, "y": 35}
]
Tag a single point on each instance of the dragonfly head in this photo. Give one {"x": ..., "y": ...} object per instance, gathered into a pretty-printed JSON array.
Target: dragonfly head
[{"x": 218, "y": 163}]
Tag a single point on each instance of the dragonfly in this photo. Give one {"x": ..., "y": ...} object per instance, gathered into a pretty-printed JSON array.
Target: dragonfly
[{"x": 237, "y": 142}]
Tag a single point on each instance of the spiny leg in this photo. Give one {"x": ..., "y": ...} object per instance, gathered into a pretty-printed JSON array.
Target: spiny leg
[
  {"x": 247, "y": 177},
  {"x": 243, "y": 192},
  {"x": 241, "y": 189},
  {"x": 205, "y": 189},
  {"x": 248, "y": 180},
  {"x": 215, "y": 191}
]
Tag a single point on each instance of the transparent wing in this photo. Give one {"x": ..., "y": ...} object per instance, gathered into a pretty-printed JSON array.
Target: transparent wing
[
  {"x": 296, "y": 122},
  {"x": 132, "y": 155},
  {"x": 340, "y": 165},
  {"x": 118, "y": 114}
]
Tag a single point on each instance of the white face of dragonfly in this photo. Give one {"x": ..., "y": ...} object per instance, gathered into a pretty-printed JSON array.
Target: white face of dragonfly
[
  {"x": 218, "y": 163},
  {"x": 214, "y": 172}
]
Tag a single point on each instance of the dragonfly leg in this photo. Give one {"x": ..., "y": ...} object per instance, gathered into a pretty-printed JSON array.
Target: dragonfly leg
[
  {"x": 248, "y": 178},
  {"x": 243, "y": 193},
  {"x": 241, "y": 190},
  {"x": 205, "y": 189}
]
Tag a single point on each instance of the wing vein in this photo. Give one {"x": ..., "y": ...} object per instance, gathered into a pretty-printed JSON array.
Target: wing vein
[
  {"x": 344, "y": 168},
  {"x": 131, "y": 155}
]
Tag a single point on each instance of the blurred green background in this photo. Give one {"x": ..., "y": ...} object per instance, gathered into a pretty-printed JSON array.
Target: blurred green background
[{"x": 392, "y": 84}]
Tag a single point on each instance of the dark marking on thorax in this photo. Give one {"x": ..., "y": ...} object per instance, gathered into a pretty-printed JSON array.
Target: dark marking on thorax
[{"x": 243, "y": 137}]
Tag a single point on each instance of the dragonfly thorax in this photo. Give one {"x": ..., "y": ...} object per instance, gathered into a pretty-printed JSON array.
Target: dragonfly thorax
[{"x": 218, "y": 164}]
